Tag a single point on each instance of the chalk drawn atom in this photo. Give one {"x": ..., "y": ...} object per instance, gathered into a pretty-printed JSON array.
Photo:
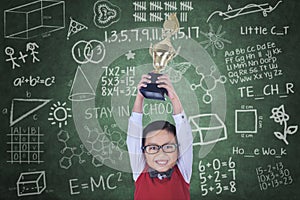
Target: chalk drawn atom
[{"x": 210, "y": 84}]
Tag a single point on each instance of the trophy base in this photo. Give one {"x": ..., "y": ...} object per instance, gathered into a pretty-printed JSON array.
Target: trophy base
[{"x": 152, "y": 91}]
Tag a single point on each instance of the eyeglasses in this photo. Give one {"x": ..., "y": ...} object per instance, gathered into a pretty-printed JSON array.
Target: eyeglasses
[{"x": 153, "y": 149}]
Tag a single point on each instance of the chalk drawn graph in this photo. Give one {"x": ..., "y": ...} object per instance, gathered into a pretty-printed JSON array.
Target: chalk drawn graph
[{"x": 265, "y": 8}]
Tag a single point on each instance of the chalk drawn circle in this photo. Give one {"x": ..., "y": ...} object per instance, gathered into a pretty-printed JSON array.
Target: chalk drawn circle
[
  {"x": 78, "y": 52},
  {"x": 58, "y": 116},
  {"x": 94, "y": 51},
  {"x": 9, "y": 51},
  {"x": 193, "y": 53}
]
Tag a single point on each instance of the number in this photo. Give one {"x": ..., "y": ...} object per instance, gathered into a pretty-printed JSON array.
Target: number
[
  {"x": 113, "y": 36},
  {"x": 197, "y": 31},
  {"x": 99, "y": 49},
  {"x": 233, "y": 173},
  {"x": 129, "y": 81},
  {"x": 103, "y": 93},
  {"x": 231, "y": 163},
  {"x": 259, "y": 170},
  {"x": 136, "y": 34},
  {"x": 219, "y": 188},
  {"x": 287, "y": 180},
  {"x": 201, "y": 167},
  {"x": 203, "y": 178},
  {"x": 217, "y": 176},
  {"x": 105, "y": 36},
  {"x": 279, "y": 166},
  {"x": 124, "y": 36},
  {"x": 180, "y": 33},
  {"x": 103, "y": 80},
  {"x": 275, "y": 183},
  {"x": 119, "y": 178},
  {"x": 216, "y": 164},
  {"x": 146, "y": 33},
  {"x": 232, "y": 186},
  {"x": 116, "y": 81},
  {"x": 204, "y": 190}
]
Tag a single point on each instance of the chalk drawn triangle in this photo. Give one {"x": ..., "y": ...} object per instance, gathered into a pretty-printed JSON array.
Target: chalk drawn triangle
[
  {"x": 27, "y": 107},
  {"x": 81, "y": 89},
  {"x": 75, "y": 27}
]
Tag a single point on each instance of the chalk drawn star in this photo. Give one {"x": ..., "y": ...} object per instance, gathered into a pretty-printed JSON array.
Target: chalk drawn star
[{"x": 130, "y": 55}]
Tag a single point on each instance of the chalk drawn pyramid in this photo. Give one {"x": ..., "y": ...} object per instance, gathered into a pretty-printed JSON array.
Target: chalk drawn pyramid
[
  {"x": 81, "y": 89},
  {"x": 22, "y": 108}
]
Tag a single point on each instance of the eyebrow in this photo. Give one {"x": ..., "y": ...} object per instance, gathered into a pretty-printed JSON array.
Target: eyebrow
[{"x": 162, "y": 144}]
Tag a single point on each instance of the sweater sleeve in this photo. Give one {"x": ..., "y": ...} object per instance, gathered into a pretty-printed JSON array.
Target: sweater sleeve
[
  {"x": 185, "y": 141},
  {"x": 134, "y": 141}
]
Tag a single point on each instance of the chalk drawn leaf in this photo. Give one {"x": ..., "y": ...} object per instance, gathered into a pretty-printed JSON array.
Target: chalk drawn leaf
[
  {"x": 292, "y": 129},
  {"x": 279, "y": 135}
]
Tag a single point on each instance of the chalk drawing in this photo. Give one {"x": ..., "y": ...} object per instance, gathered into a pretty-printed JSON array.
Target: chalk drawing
[
  {"x": 92, "y": 51},
  {"x": 246, "y": 116},
  {"x": 265, "y": 8},
  {"x": 25, "y": 145},
  {"x": 85, "y": 91},
  {"x": 130, "y": 55},
  {"x": 69, "y": 152},
  {"x": 34, "y": 19},
  {"x": 59, "y": 114},
  {"x": 279, "y": 116},
  {"x": 10, "y": 52},
  {"x": 31, "y": 183},
  {"x": 40, "y": 102},
  {"x": 31, "y": 46},
  {"x": 105, "y": 13},
  {"x": 207, "y": 132},
  {"x": 215, "y": 40},
  {"x": 75, "y": 27},
  {"x": 176, "y": 70},
  {"x": 210, "y": 84},
  {"x": 157, "y": 11}
]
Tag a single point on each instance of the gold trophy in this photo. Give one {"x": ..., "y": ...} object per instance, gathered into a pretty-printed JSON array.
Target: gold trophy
[{"x": 161, "y": 53}]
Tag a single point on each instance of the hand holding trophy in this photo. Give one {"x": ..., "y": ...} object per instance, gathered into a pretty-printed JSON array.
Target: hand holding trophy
[{"x": 161, "y": 53}]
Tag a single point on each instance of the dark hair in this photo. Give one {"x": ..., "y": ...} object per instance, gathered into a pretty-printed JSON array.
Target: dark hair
[{"x": 158, "y": 125}]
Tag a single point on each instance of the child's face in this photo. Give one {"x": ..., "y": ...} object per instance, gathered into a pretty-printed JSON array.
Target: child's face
[{"x": 161, "y": 161}]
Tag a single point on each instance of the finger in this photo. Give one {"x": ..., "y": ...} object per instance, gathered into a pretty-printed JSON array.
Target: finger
[
  {"x": 163, "y": 78},
  {"x": 145, "y": 78}
]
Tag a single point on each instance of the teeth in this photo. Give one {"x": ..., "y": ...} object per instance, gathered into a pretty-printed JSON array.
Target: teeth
[{"x": 161, "y": 162}]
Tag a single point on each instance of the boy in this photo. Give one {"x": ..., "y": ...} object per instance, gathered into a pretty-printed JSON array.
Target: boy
[{"x": 161, "y": 155}]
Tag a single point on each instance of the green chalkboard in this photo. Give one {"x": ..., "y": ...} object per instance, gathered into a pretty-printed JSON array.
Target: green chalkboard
[{"x": 68, "y": 82}]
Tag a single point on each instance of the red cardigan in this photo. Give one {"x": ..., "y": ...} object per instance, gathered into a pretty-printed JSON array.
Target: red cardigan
[{"x": 167, "y": 188}]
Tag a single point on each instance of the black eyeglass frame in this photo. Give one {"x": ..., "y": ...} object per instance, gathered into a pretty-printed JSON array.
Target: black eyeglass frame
[{"x": 160, "y": 147}]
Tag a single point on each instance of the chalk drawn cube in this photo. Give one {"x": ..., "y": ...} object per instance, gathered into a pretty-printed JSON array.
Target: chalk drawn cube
[
  {"x": 209, "y": 127},
  {"x": 31, "y": 183},
  {"x": 34, "y": 19}
]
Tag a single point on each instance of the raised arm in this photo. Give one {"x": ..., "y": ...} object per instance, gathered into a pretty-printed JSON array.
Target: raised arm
[
  {"x": 183, "y": 129},
  {"x": 135, "y": 131}
]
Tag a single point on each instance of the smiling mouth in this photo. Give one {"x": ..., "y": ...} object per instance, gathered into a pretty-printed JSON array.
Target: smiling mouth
[{"x": 161, "y": 162}]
